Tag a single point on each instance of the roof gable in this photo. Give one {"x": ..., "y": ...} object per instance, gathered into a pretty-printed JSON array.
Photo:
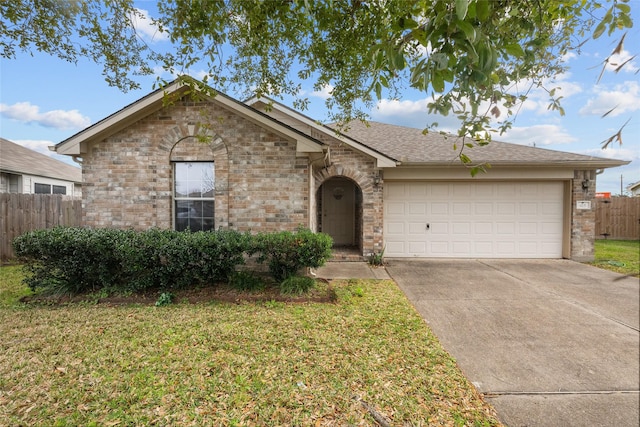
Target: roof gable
[
  {"x": 155, "y": 100},
  {"x": 382, "y": 159},
  {"x": 17, "y": 159}
]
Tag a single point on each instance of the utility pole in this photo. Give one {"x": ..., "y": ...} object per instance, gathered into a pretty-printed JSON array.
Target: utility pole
[{"x": 621, "y": 184}]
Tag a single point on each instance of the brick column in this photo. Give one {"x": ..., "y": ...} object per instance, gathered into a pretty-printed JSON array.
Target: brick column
[{"x": 583, "y": 219}]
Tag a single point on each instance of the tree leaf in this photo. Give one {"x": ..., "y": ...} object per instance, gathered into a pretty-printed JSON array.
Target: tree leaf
[
  {"x": 514, "y": 49},
  {"x": 461, "y": 8},
  {"x": 483, "y": 9}
]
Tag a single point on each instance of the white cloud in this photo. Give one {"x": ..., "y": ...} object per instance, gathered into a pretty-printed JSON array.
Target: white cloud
[
  {"x": 537, "y": 135},
  {"x": 145, "y": 28},
  {"x": 39, "y": 145},
  {"x": 42, "y": 146},
  {"x": 624, "y": 98},
  {"x": 324, "y": 93},
  {"x": 58, "y": 119},
  {"x": 618, "y": 153},
  {"x": 413, "y": 114},
  {"x": 618, "y": 59},
  {"x": 538, "y": 98}
]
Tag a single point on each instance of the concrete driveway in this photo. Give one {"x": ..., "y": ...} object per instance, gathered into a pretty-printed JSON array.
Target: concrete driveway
[{"x": 548, "y": 342}]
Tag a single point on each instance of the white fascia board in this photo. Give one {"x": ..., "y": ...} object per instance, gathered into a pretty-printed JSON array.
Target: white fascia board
[
  {"x": 115, "y": 122},
  {"x": 381, "y": 160},
  {"x": 140, "y": 108}
]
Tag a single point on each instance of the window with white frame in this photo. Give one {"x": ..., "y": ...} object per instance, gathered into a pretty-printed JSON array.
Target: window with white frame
[
  {"x": 194, "y": 186},
  {"x": 49, "y": 189}
]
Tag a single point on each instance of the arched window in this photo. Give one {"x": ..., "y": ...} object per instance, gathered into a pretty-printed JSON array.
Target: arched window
[{"x": 194, "y": 196}]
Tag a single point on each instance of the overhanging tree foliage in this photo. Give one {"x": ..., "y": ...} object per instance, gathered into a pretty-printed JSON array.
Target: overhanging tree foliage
[{"x": 477, "y": 59}]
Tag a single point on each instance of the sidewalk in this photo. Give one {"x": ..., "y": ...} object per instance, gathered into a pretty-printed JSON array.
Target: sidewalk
[{"x": 351, "y": 270}]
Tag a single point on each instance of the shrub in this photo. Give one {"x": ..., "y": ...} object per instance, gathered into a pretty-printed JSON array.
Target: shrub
[
  {"x": 69, "y": 260},
  {"x": 286, "y": 253},
  {"x": 296, "y": 285},
  {"x": 246, "y": 281},
  {"x": 75, "y": 260}
]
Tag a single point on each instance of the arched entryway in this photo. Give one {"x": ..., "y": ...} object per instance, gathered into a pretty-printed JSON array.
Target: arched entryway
[{"x": 340, "y": 212}]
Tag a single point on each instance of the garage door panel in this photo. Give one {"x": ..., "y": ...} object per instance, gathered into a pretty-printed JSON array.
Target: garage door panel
[
  {"x": 396, "y": 228},
  {"x": 418, "y": 209},
  {"x": 474, "y": 219},
  {"x": 395, "y": 248},
  {"x": 461, "y": 249},
  {"x": 505, "y": 228},
  {"x": 506, "y": 208},
  {"x": 417, "y": 228},
  {"x": 481, "y": 228},
  {"x": 439, "y": 208},
  {"x": 438, "y": 228},
  {"x": 395, "y": 208},
  {"x": 483, "y": 208},
  {"x": 417, "y": 248},
  {"x": 528, "y": 228},
  {"x": 461, "y": 208},
  {"x": 461, "y": 228}
]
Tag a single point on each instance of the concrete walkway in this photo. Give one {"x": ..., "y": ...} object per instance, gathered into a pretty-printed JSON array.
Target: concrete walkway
[{"x": 351, "y": 270}]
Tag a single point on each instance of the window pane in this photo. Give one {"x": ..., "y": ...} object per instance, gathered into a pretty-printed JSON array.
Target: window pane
[
  {"x": 59, "y": 189},
  {"x": 42, "y": 188},
  {"x": 194, "y": 179},
  {"x": 194, "y": 215}
]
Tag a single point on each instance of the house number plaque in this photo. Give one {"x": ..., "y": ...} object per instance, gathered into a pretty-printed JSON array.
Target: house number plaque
[{"x": 583, "y": 204}]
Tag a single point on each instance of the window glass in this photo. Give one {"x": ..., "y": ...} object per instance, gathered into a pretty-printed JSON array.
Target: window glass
[
  {"x": 59, "y": 189},
  {"x": 42, "y": 188},
  {"x": 194, "y": 196}
]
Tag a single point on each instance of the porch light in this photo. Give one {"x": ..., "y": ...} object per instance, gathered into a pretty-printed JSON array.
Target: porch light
[{"x": 585, "y": 185}]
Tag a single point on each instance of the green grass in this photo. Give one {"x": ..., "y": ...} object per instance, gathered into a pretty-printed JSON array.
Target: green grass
[
  {"x": 621, "y": 256},
  {"x": 230, "y": 364},
  {"x": 11, "y": 287}
]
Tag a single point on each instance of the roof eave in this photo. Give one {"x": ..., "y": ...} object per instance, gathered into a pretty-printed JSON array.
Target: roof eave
[
  {"x": 383, "y": 161},
  {"x": 123, "y": 118},
  {"x": 588, "y": 164}
]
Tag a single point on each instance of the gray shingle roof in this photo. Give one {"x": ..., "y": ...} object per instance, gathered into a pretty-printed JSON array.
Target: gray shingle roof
[
  {"x": 17, "y": 159},
  {"x": 411, "y": 146}
]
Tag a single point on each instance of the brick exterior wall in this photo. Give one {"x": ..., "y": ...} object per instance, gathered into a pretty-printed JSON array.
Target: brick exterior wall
[
  {"x": 261, "y": 182},
  {"x": 361, "y": 169},
  {"x": 583, "y": 221}
]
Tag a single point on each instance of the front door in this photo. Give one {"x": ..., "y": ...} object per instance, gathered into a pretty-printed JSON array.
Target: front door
[{"x": 338, "y": 211}]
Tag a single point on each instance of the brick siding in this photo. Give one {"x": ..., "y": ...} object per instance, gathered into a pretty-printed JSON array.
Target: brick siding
[
  {"x": 261, "y": 182},
  {"x": 583, "y": 221}
]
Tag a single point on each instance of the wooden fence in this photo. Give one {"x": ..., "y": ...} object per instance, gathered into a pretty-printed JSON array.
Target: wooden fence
[
  {"x": 20, "y": 213},
  {"x": 618, "y": 218}
]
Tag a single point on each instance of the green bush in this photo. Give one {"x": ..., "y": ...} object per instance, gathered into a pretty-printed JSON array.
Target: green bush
[
  {"x": 75, "y": 260},
  {"x": 286, "y": 253},
  {"x": 296, "y": 285},
  {"x": 246, "y": 281}
]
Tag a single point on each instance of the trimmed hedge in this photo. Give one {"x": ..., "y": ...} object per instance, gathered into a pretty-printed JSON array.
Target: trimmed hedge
[
  {"x": 286, "y": 253},
  {"x": 75, "y": 260}
]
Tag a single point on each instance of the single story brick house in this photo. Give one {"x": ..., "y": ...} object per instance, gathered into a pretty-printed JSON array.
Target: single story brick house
[{"x": 257, "y": 165}]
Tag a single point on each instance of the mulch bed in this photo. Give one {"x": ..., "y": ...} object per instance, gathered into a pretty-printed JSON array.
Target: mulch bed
[{"x": 216, "y": 293}]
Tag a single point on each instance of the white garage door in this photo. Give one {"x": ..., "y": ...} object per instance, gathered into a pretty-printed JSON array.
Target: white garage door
[{"x": 473, "y": 219}]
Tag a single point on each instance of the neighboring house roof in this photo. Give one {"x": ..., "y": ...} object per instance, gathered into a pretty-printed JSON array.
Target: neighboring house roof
[
  {"x": 154, "y": 101},
  {"x": 412, "y": 147},
  {"x": 634, "y": 187},
  {"x": 16, "y": 159}
]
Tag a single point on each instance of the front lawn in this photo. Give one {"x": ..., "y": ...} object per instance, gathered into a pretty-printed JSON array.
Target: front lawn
[
  {"x": 621, "y": 256},
  {"x": 230, "y": 364}
]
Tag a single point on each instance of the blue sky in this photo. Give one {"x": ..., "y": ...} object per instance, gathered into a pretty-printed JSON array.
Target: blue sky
[{"x": 44, "y": 100}]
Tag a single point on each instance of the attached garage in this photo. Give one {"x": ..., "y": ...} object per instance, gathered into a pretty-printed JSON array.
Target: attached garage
[{"x": 474, "y": 219}]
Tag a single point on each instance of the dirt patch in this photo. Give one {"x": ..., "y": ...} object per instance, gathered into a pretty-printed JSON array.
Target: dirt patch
[{"x": 324, "y": 293}]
